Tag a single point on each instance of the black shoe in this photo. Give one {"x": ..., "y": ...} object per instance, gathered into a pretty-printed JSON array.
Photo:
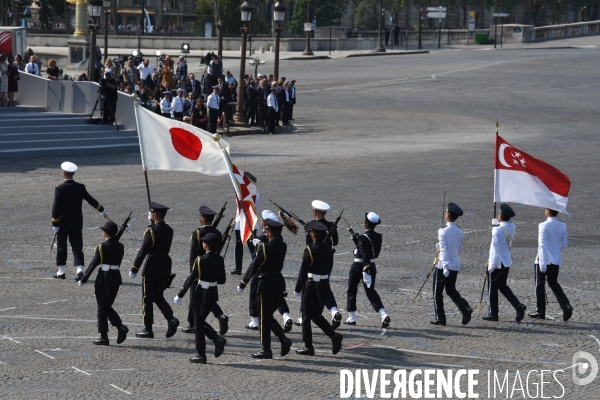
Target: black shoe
[
  {"x": 466, "y": 315},
  {"x": 438, "y": 322},
  {"x": 266, "y": 355},
  {"x": 146, "y": 334},
  {"x": 306, "y": 351},
  {"x": 220, "y": 346},
  {"x": 199, "y": 359},
  {"x": 101, "y": 342},
  {"x": 188, "y": 329},
  {"x": 298, "y": 322},
  {"x": 172, "y": 327},
  {"x": 286, "y": 345},
  {"x": 254, "y": 328},
  {"x": 236, "y": 272},
  {"x": 223, "y": 324},
  {"x": 386, "y": 322},
  {"x": 336, "y": 342},
  {"x": 537, "y": 315},
  {"x": 122, "y": 335},
  {"x": 59, "y": 276},
  {"x": 349, "y": 322},
  {"x": 520, "y": 312},
  {"x": 336, "y": 321},
  {"x": 567, "y": 312},
  {"x": 78, "y": 276},
  {"x": 288, "y": 325},
  {"x": 489, "y": 318}
]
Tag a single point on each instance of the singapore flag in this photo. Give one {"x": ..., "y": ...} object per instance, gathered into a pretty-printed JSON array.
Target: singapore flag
[{"x": 521, "y": 178}]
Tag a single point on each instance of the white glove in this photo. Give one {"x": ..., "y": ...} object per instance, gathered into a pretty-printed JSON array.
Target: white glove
[
  {"x": 150, "y": 217},
  {"x": 239, "y": 289},
  {"x": 355, "y": 252},
  {"x": 437, "y": 247},
  {"x": 56, "y": 229},
  {"x": 543, "y": 268},
  {"x": 446, "y": 272},
  {"x": 256, "y": 241},
  {"x": 367, "y": 279},
  {"x": 132, "y": 275},
  {"x": 104, "y": 214},
  {"x": 177, "y": 300},
  {"x": 495, "y": 222},
  {"x": 80, "y": 283},
  {"x": 298, "y": 294}
]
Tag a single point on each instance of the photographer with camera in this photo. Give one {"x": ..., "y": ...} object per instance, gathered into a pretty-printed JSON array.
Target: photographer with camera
[{"x": 108, "y": 89}]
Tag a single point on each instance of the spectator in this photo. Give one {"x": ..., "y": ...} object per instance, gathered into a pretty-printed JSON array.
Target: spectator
[
  {"x": 52, "y": 72},
  {"x": 177, "y": 106},
  {"x": 192, "y": 85},
  {"x": 158, "y": 92},
  {"x": 130, "y": 74},
  {"x": 146, "y": 96},
  {"x": 165, "y": 104},
  {"x": 262, "y": 94},
  {"x": 108, "y": 68},
  {"x": 154, "y": 81},
  {"x": 19, "y": 63},
  {"x": 32, "y": 67},
  {"x": 110, "y": 100},
  {"x": 139, "y": 86},
  {"x": 285, "y": 112},
  {"x": 250, "y": 101},
  {"x": 293, "y": 97},
  {"x": 28, "y": 53},
  {"x": 13, "y": 80},
  {"x": 199, "y": 117},
  {"x": 188, "y": 106},
  {"x": 167, "y": 79},
  {"x": 396, "y": 32},
  {"x": 230, "y": 79},
  {"x": 387, "y": 35},
  {"x": 180, "y": 78},
  {"x": 84, "y": 76},
  {"x": 145, "y": 70},
  {"x": 3, "y": 81}
]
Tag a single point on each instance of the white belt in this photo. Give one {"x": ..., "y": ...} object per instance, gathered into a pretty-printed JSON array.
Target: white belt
[
  {"x": 361, "y": 260},
  {"x": 317, "y": 278},
  {"x": 206, "y": 285},
  {"x": 106, "y": 267}
]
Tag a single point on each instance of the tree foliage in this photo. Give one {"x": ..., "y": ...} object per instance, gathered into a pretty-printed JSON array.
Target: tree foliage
[{"x": 325, "y": 11}]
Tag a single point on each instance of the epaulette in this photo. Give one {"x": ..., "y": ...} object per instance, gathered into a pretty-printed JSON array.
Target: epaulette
[
  {"x": 264, "y": 252},
  {"x": 310, "y": 255},
  {"x": 151, "y": 234}
]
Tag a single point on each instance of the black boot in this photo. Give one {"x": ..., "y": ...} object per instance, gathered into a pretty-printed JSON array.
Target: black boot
[
  {"x": 220, "y": 346},
  {"x": 567, "y": 312},
  {"x": 288, "y": 325},
  {"x": 336, "y": 341},
  {"x": 122, "y": 335},
  {"x": 489, "y": 318},
  {"x": 188, "y": 329},
  {"x": 336, "y": 321},
  {"x": 436, "y": 321},
  {"x": 466, "y": 315},
  {"x": 537, "y": 315},
  {"x": 172, "y": 327},
  {"x": 520, "y": 312},
  {"x": 198, "y": 359},
  {"x": 223, "y": 324},
  {"x": 286, "y": 345},
  {"x": 102, "y": 341},
  {"x": 146, "y": 333},
  {"x": 306, "y": 351},
  {"x": 264, "y": 354}
]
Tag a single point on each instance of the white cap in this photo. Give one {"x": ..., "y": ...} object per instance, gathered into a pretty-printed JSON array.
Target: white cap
[
  {"x": 259, "y": 75},
  {"x": 68, "y": 167},
  {"x": 319, "y": 205},
  {"x": 373, "y": 218},
  {"x": 267, "y": 214}
]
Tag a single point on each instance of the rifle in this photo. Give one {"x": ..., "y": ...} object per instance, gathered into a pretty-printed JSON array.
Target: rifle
[
  {"x": 437, "y": 258},
  {"x": 289, "y": 215},
  {"x": 352, "y": 233},
  {"x": 52, "y": 245},
  {"x": 228, "y": 240},
  {"x": 333, "y": 228},
  {"x": 219, "y": 216},
  {"x": 123, "y": 227},
  {"x": 226, "y": 235}
]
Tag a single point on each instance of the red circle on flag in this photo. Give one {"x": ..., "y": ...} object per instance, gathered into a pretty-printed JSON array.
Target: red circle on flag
[{"x": 186, "y": 143}]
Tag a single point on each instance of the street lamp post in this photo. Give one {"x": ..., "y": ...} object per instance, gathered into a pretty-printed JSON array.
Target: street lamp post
[
  {"x": 307, "y": 50},
  {"x": 278, "y": 15},
  {"x": 240, "y": 118},
  {"x": 421, "y": 12},
  {"x": 220, "y": 34},
  {"x": 94, "y": 11},
  {"x": 106, "y": 6},
  {"x": 380, "y": 48}
]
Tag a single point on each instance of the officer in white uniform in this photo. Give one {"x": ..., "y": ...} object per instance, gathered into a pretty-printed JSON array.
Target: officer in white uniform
[
  {"x": 165, "y": 104},
  {"x": 177, "y": 106},
  {"x": 273, "y": 108},
  {"x": 450, "y": 242},
  {"x": 552, "y": 240},
  {"x": 500, "y": 260},
  {"x": 212, "y": 104}
]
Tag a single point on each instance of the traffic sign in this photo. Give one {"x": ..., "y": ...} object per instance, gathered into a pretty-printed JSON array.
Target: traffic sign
[
  {"x": 436, "y": 14},
  {"x": 308, "y": 26},
  {"x": 436, "y": 9},
  {"x": 501, "y": 15}
]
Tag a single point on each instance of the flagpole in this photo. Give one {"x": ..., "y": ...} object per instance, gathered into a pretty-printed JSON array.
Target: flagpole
[
  {"x": 137, "y": 124},
  {"x": 495, "y": 172}
]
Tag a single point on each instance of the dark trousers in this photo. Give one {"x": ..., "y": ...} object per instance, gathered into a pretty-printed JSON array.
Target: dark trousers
[
  {"x": 213, "y": 115},
  {"x": 215, "y": 308},
  {"x": 497, "y": 282},
  {"x": 439, "y": 283},
  {"x": 272, "y": 118},
  {"x": 105, "y": 301},
  {"x": 262, "y": 108},
  {"x": 201, "y": 327},
  {"x": 329, "y": 298},
  {"x": 291, "y": 111},
  {"x": 283, "y": 307},
  {"x": 108, "y": 114},
  {"x": 551, "y": 275},
  {"x": 153, "y": 287},
  {"x": 354, "y": 278},
  {"x": 312, "y": 308},
  {"x": 268, "y": 302},
  {"x": 178, "y": 116},
  {"x": 239, "y": 250},
  {"x": 76, "y": 240},
  {"x": 253, "y": 303}
]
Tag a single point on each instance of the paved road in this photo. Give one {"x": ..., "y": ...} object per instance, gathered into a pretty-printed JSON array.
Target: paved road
[{"x": 386, "y": 134}]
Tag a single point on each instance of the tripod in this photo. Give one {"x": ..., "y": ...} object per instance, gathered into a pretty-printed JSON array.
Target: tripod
[{"x": 101, "y": 98}]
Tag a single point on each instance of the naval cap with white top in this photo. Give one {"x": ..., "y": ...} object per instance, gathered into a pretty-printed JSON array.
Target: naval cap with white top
[
  {"x": 321, "y": 206},
  {"x": 372, "y": 218},
  {"x": 68, "y": 166},
  {"x": 268, "y": 214}
]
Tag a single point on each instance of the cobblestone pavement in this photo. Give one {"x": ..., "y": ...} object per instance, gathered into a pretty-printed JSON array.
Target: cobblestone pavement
[{"x": 387, "y": 135}]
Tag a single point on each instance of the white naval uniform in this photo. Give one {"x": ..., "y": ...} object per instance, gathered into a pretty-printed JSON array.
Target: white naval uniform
[
  {"x": 165, "y": 107},
  {"x": 450, "y": 239},
  {"x": 499, "y": 248},
  {"x": 176, "y": 106}
]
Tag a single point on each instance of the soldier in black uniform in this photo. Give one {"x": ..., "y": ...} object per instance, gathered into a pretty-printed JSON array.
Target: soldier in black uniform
[
  {"x": 317, "y": 261},
  {"x": 107, "y": 256},
  {"x": 207, "y": 215},
  {"x": 266, "y": 270},
  {"x": 320, "y": 208},
  {"x": 156, "y": 244},
  {"x": 368, "y": 246},
  {"x": 67, "y": 219},
  {"x": 207, "y": 271}
]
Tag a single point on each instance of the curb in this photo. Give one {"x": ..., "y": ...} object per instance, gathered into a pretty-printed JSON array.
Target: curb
[{"x": 387, "y": 54}]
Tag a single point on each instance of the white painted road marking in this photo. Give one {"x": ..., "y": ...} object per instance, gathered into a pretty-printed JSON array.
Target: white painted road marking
[
  {"x": 44, "y": 354},
  {"x": 56, "y": 301},
  {"x": 6, "y": 309},
  {"x": 83, "y": 372},
  {"x": 116, "y": 387}
]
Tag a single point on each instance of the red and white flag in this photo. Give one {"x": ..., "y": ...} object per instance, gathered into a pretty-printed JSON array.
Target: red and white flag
[
  {"x": 246, "y": 197},
  {"x": 168, "y": 144},
  {"x": 521, "y": 178}
]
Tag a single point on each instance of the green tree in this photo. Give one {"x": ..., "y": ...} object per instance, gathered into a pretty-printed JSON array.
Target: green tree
[
  {"x": 534, "y": 8},
  {"x": 324, "y": 10},
  {"x": 228, "y": 12}
]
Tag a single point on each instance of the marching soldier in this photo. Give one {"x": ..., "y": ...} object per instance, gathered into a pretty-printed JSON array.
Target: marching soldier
[
  {"x": 266, "y": 269},
  {"x": 320, "y": 208},
  {"x": 317, "y": 261},
  {"x": 368, "y": 246},
  {"x": 552, "y": 239},
  {"x": 450, "y": 241},
  {"x": 67, "y": 219},
  {"x": 208, "y": 271},
  {"x": 107, "y": 256},
  {"x": 500, "y": 260},
  {"x": 156, "y": 244},
  {"x": 207, "y": 215}
]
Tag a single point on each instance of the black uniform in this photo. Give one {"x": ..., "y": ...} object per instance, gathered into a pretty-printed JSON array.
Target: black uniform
[
  {"x": 316, "y": 259},
  {"x": 156, "y": 244},
  {"x": 110, "y": 102},
  {"x": 266, "y": 269},
  {"x": 107, "y": 283},
  {"x": 368, "y": 246},
  {"x": 67, "y": 214},
  {"x": 209, "y": 268},
  {"x": 196, "y": 250},
  {"x": 325, "y": 287}
]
